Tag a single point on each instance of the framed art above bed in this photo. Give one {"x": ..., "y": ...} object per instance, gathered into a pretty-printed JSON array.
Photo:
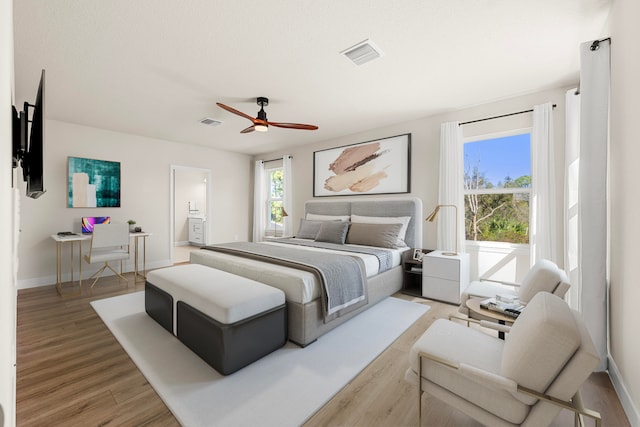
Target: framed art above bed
[{"x": 381, "y": 166}]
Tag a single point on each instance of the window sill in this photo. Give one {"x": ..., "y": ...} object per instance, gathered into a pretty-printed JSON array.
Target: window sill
[{"x": 501, "y": 247}]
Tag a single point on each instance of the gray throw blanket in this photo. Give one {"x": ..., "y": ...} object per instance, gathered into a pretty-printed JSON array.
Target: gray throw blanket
[
  {"x": 343, "y": 277},
  {"x": 385, "y": 256}
]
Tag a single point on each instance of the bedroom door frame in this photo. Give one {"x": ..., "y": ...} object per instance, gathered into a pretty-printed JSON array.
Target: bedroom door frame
[{"x": 172, "y": 202}]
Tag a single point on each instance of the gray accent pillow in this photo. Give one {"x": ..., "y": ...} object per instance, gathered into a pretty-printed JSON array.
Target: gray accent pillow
[
  {"x": 380, "y": 235},
  {"x": 404, "y": 220},
  {"x": 333, "y": 232},
  {"x": 308, "y": 229}
]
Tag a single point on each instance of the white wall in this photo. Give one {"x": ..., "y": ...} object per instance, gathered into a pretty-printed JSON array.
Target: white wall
[
  {"x": 7, "y": 279},
  {"x": 425, "y": 157},
  {"x": 145, "y": 194},
  {"x": 625, "y": 228}
]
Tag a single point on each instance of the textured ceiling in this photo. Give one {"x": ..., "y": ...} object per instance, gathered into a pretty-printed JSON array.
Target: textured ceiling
[{"x": 155, "y": 68}]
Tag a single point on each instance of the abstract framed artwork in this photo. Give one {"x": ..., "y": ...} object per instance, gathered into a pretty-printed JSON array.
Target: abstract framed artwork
[
  {"x": 381, "y": 166},
  {"x": 93, "y": 183}
]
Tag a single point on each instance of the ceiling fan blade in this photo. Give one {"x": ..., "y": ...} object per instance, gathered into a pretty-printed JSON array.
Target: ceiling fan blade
[
  {"x": 261, "y": 120},
  {"x": 234, "y": 111},
  {"x": 293, "y": 126}
]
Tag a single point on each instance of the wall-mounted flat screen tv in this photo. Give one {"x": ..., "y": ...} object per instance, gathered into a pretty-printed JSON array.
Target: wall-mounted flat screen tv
[
  {"x": 89, "y": 221},
  {"x": 28, "y": 142},
  {"x": 35, "y": 156}
]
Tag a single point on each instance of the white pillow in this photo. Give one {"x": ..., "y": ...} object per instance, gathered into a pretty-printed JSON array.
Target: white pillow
[
  {"x": 404, "y": 220},
  {"x": 317, "y": 217}
]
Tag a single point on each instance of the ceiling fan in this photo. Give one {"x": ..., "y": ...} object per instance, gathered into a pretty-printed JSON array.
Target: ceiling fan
[{"x": 260, "y": 123}]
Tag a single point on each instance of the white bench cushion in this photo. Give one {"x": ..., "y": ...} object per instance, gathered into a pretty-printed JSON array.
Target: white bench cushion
[{"x": 223, "y": 296}]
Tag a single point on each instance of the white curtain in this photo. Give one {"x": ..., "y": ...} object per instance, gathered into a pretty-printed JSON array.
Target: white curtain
[
  {"x": 259, "y": 201},
  {"x": 592, "y": 254},
  {"x": 451, "y": 187},
  {"x": 543, "y": 192},
  {"x": 571, "y": 192},
  {"x": 287, "y": 197}
]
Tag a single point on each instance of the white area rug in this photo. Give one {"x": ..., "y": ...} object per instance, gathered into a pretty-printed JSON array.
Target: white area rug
[{"x": 284, "y": 388}]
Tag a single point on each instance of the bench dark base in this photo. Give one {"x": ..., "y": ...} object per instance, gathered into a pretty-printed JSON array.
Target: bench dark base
[
  {"x": 228, "y": 348},
  {"x": 225, "y": 347},
  {"x": 159, "y": 306}
]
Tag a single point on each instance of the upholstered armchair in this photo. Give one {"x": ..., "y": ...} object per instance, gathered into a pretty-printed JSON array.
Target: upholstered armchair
[
  {"x": 544, "y": 276},
  {"x": 522, "y": 380}
]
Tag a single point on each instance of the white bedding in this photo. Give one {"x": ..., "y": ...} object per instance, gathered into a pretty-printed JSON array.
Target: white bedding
[{"x": 299, "y": 286}]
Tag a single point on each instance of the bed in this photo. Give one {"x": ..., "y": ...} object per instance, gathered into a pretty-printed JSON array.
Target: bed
[{"x": 307, "y": 310}]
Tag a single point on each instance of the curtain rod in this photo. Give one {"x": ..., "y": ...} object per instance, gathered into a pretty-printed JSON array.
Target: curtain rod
[
  {"x": 273, "y": 160},
  {"x": 499, "y": 117},
  {"x": 594, "y": 46},
  {"x": 596, "y": 43}
]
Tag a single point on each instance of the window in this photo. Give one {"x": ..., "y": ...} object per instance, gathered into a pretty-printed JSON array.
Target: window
[
  {"x": 275, "y": 194},
  {"x": 497, "y": 187}
]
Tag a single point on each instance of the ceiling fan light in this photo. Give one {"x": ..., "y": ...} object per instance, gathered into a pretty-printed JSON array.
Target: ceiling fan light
[{"x": 261, "y": 128}]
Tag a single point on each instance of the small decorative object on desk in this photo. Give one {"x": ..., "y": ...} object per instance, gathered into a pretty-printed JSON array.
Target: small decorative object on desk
[
  {"x": 418, "y": 254},
  {"x": 132, "y": 224},
  {"x": 512, "y": 309}
]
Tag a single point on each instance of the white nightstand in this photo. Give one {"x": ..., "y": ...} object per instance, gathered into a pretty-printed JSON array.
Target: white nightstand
[{"x": 444, "y": 277}]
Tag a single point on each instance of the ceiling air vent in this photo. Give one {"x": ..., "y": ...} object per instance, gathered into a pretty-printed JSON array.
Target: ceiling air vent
[
  {"x": 363, "y": 52},
  {"x": 210, "y": 122}
]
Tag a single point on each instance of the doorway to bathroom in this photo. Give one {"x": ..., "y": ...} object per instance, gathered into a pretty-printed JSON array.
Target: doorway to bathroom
[{"x": 190, "y": 211}]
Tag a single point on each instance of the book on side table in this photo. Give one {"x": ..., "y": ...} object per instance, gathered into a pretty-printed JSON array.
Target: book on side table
[{"x": 512, "y": 309}]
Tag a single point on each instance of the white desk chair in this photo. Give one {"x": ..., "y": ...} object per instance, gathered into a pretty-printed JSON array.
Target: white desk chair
[{"x": 109, "y": 242}]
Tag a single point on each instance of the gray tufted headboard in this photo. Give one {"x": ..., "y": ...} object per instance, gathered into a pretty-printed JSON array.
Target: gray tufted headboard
[{"x": 401, "y": 206}]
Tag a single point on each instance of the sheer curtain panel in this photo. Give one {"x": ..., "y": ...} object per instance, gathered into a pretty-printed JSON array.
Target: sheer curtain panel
[
  {"x": 594, "y": 140},
  {"x": 287, "y": 197},
  {"x": 543, "y": 192},
  {"x": 259, "y": 201},
  {"x": 450, "y": 188},
  {"x": 571, "y": 192}
]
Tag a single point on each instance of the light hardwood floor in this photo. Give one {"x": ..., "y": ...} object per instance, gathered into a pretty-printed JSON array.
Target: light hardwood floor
[{"x": 72, "y": 372}]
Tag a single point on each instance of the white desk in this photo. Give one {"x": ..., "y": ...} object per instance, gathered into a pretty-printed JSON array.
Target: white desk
[
  {"x": 79, "y": 238},
  {"x": 137, "y": 277},
  {"x": 60, "y": 241}
]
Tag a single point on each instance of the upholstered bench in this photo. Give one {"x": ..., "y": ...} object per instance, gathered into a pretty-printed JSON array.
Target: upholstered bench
[{"x": 227, "y": 320}]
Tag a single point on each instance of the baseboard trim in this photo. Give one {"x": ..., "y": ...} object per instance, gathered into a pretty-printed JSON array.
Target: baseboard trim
[
  {"x": 623, "y": 394},
  {"x": 36, "y": 282}
]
